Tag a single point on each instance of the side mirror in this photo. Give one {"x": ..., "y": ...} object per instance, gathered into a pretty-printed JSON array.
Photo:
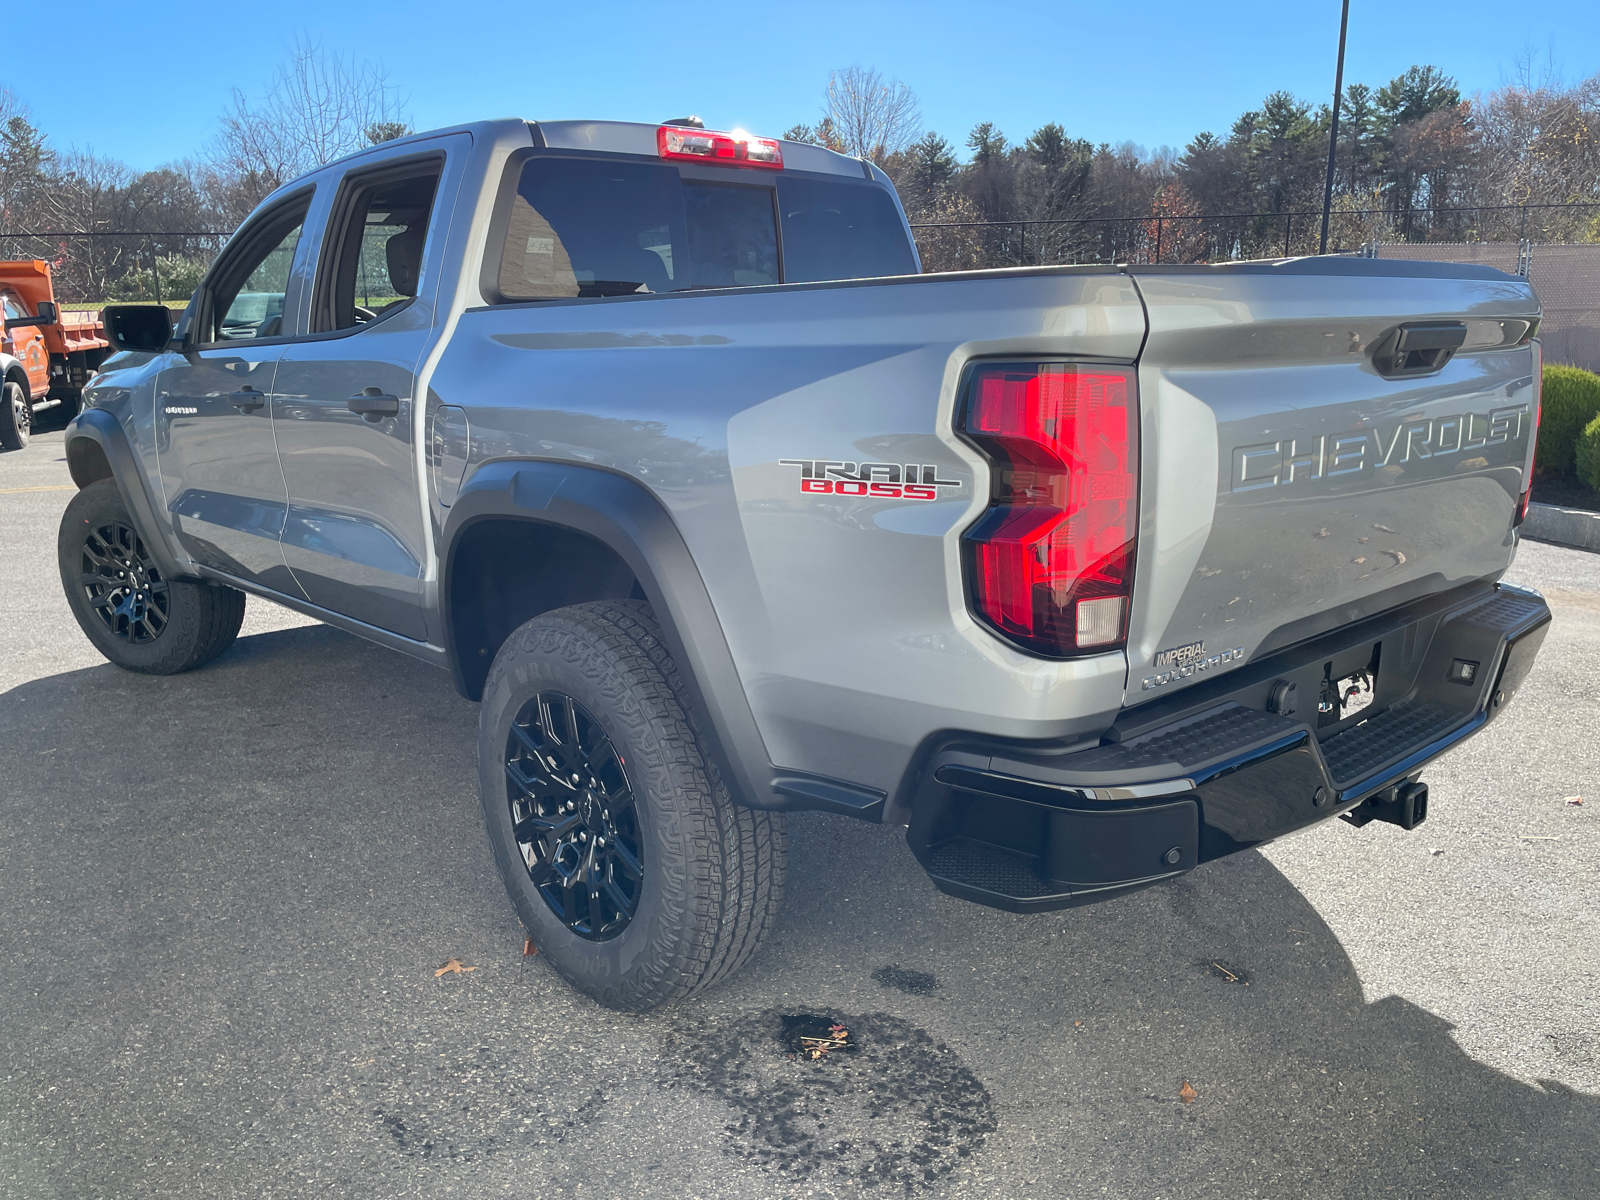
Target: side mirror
[
  {"x": 49, "y": 314},
  {"x": 142, "y": 327}
]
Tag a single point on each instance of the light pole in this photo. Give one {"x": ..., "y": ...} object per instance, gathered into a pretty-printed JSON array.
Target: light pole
[{"x": 1333, "y": 131}]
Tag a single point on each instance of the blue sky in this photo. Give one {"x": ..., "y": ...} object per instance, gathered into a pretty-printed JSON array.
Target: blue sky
[{"x": 149, "y": 84}]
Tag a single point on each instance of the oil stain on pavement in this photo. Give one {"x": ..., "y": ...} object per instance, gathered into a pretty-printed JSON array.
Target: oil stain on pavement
[
  {"x": 912, "y": 983},
  {"x": 895, "y": 1107}
]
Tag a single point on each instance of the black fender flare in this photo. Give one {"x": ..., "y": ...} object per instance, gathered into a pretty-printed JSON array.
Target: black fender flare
[
  {"x": 12, "y": 371},
  {"x": 620, "y": 513},
  {"x": 95, "y": 430}
]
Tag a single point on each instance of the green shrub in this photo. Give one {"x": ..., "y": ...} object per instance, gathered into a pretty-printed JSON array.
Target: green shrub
[
  {"x": 1571, "y": 400},
  {"x": 1587, "y": 454},
  {"x": 179, "y": 278}
]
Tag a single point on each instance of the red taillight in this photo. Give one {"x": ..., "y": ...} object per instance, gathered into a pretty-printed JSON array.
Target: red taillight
[
  {"x": 1533, "y": 442},
  {"x": 1051, "y": 562},
  {"x": 736, "y": 149}
]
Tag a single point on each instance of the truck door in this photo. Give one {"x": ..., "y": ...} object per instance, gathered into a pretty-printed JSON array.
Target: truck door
[
  {"x": 218, "y": 462},
  {"x": 26, "y": 344},
  {"x": 344, "y": 405}
]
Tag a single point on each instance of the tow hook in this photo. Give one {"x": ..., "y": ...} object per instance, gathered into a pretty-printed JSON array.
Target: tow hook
[{"x": 1405, "y": 805}]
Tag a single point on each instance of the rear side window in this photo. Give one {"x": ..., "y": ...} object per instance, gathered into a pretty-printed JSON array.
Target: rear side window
[
  {"x": 374, "y": 259},
  {"x": 591, "y": 227}
]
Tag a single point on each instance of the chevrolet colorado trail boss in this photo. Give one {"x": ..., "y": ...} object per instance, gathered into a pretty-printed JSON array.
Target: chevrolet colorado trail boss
[{"x": 656, "y": 439}]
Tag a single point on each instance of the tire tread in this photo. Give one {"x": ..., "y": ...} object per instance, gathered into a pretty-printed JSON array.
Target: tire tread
[
  {"x": 204, "y": 619},
  {"x": 728, "y": 861}
]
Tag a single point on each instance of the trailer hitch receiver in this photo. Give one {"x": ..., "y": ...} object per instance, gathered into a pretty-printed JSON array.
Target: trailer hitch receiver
[{"x": 1405, "y": 805}]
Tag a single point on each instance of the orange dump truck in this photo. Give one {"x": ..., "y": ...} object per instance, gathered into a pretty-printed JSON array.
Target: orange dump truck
[{"x": 47, "y": 355}]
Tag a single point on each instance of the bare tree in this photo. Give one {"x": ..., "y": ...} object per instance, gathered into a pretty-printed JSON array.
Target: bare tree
[
  {"x": 1541, "y": 145},
  {"x": 319, "y": 106},
  {"x": 869, "y": 116}
]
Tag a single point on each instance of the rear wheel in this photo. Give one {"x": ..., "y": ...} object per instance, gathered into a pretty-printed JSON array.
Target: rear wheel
[
  {"x": 136, "y": 617},
  {"x": 626, "y": 859},
  {"x": 16, "y": 418}
]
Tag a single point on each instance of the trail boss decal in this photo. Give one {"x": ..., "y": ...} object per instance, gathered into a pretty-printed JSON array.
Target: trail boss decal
[{"x": 884, "y": 481}]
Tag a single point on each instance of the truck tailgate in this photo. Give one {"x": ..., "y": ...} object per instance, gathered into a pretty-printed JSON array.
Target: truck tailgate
[{"x": 1295, "y": 476}]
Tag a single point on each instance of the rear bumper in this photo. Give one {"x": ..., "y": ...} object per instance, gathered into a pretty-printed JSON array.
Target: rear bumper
[{"x": 1211, "y": 771}]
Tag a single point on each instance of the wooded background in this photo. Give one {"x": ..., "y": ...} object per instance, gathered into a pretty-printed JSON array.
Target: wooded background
[{"x": 1417, "y": 161}]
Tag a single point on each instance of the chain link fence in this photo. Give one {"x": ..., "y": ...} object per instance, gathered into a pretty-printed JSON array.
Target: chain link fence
[
  {"x": 94, "y": 268},
  {"x": 1166, "y": 237},
  {"x": 1566, "y": 277},
  {"x": 1562, "y": 243}
]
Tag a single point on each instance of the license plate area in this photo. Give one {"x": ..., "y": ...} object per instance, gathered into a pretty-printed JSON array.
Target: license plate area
[
  {"x": 1354, "y": 692},
  {"x": 1349, "y": 686}
]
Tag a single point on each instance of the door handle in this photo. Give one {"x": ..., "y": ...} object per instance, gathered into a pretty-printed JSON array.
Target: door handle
[
  {"x": 374, "y": 403},
  {"x": 247, "y": 399}
]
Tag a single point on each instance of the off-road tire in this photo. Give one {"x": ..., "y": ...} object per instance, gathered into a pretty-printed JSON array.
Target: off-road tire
[
  {"x": 713, "y": 870},
  {"x": 16, "y": 418},
  {"x": 200, "y": 620}
]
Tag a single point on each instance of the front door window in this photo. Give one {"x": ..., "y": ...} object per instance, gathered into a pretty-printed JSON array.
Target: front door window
[{"x": 248, "y": 302}]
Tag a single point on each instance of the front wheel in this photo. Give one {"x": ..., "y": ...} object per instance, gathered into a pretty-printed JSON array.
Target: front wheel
[
  {"x": 16, "y": 417},
  {"x": 627, "y": 861},
  {"x": 137, "y": 618}
]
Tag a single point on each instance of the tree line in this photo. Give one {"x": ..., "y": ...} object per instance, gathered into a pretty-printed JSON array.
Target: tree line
[
  {"x": 1415, "y": 160},
  {"x": 318, "y": 106}
]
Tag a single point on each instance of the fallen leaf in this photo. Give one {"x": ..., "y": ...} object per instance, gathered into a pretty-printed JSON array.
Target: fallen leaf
[
  {"x": 528, "y": 947},
  {"x": 1363, "y": 541},
  {"x": 1321, "y": 533},
  {"x": 1399, "y": 557},
  {"x": 1075, "y": 1024},
  {"x": 1574, "y": 800},
  {"x": 453, "y": 967},
  {"x": 1358, "y": 560},
  {"x": 1383, "y": 529},
  {"x": 1436, "y": 852},
  {"x": 1187, "y": 1093}
]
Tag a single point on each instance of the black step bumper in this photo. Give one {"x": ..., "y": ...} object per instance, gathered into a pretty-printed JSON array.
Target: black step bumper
[{"x": 1210, "y": 771}]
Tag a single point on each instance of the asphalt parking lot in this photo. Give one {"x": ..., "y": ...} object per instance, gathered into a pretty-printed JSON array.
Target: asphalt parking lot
[{"x": 224, "y": 897}]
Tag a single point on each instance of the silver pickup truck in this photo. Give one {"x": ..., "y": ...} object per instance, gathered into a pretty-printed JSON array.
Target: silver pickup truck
[{"x": 656, "y": 439}]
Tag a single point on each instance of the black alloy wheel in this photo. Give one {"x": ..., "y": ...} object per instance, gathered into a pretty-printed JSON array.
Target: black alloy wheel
[
  {"x": 573, "y": 816},
  {"x": 123, "y": 584}
]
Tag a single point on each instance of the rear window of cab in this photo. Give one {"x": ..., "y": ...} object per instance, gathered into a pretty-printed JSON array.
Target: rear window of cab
[{"x": 595, "y": 227}]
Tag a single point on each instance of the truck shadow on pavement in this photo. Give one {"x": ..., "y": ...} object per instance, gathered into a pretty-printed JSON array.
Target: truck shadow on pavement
[{"x": 224, "y": 897}]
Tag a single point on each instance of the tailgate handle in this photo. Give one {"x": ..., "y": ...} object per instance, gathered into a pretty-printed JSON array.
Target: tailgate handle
[
  {"x": 1438, "y": 335},
  {"x": 1420, "y": 348}
]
